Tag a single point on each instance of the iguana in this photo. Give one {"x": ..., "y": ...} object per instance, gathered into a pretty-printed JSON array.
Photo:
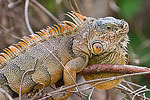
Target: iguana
[{"x": 75, "y": 44}]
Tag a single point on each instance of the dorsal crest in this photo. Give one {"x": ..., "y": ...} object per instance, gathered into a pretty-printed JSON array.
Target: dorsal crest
[{"x": 64, "y": 28}]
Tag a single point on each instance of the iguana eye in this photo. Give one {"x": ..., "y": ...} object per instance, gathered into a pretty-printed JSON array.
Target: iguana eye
[
  {"x": 97, "y": 48},
  {"x": 108, "y": 27}
]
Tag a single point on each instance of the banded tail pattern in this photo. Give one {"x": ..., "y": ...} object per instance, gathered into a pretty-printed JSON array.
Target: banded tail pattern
[{"x": 64, "y": 28}]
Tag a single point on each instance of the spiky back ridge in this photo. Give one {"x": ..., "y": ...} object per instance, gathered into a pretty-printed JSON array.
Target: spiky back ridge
[{"x": 66, "y": 27}]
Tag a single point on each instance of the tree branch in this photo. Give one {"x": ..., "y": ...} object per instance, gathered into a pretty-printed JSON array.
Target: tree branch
[
  {"x": 109, "y": 68},
  {"x": 98, "y": 81},
  {"x": 124, "y": 69},
  {"x": 46, "y": 11}
]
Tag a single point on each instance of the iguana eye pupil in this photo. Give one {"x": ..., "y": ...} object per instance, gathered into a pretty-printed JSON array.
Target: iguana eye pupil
[{"x": 97, "y": 47}]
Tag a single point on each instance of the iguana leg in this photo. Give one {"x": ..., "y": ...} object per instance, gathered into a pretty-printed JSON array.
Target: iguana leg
[
  {"x": 41, "y": 77},
  {"x": 3, "y": 96},
  {"x": 5, "y": 91},
  {"x": 73, "y": 66}
]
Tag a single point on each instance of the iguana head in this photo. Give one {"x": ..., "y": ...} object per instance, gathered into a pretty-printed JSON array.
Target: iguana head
[
  {"x": 109, "y": 34},
  {"x": 106, "y": 34}
]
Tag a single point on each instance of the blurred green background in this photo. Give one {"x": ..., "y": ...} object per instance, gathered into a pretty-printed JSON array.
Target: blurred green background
[{"x": 135, "y": 12}]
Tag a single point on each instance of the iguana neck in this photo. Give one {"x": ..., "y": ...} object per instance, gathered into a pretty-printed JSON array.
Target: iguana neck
[{"x": 108, "y": 58}]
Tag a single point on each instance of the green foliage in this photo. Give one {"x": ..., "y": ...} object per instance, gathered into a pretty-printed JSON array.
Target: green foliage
[
  {"x": 129, "y": 7},
  {"x": 49, "y": 4},
  {"x": 144, "y": 82},
  {"x": 139, "y": 47}
]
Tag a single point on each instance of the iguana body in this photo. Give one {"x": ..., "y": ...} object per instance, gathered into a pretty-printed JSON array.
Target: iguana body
[{"x": 41, "y": 57}]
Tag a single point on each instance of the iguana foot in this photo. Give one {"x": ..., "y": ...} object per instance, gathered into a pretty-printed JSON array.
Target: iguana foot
[
  {"x": 62, "y": 97},
  {"x": 35, "y": 93}
]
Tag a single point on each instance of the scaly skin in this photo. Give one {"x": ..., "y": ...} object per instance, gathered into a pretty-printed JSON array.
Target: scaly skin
[
  {"x": 116, "y": 52},
  {"x": 88, "y": 41}
]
